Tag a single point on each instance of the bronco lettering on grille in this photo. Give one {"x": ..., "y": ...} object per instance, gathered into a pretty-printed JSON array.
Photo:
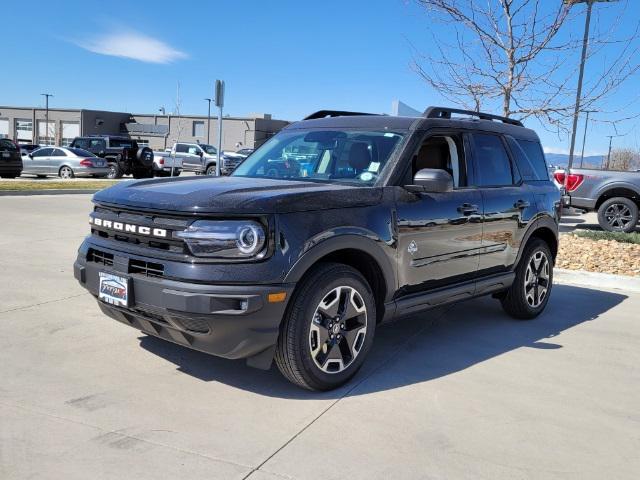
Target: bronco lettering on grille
[{"x": 128, "y": 228}]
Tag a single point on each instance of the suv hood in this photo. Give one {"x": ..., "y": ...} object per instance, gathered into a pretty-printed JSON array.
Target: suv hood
[{"x": 235, "y": 195}]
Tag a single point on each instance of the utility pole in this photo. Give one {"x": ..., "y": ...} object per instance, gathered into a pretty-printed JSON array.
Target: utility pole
[
  {"x": 584, "y": 137},
  {"x": 585, "y": 42},
  {"x": 610, "y": 137},
  {"x": 46, "y": 113},
  {"x": 219, "y": 96},
  {"x": 208, "y": 118}
]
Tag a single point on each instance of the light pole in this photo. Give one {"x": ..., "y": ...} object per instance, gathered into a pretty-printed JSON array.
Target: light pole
[
  {"x": 584, "y": 137},
  {"x": 208, "y": 118},
  {"x": 585, "y": 42},
  {"x": 46, "y": 114}
]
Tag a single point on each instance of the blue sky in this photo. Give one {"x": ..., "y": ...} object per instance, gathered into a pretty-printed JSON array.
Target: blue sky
[{"x": 287, "y": 58}]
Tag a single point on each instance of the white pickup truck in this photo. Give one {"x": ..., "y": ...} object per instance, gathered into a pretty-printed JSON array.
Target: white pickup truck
[
  {"x": 165, "y": 164},
  {"x": 195, "y": 157}
]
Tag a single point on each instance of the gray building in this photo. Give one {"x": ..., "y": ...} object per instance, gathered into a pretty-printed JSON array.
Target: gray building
[{"x": 29, "y": 125}]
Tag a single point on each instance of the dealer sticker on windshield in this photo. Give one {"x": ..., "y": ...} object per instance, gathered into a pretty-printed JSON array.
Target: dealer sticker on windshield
[{"x": 114, "y": 289}]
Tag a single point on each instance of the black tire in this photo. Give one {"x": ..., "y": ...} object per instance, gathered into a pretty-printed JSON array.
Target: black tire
[
  {"x": 144, "y": 156},
  {"x": 211, "y": 170},
  {"x": 294, "y": 356},
  {"x": 114, "y": 171},
  {"x": 10, "y": 175},
  {"x": 142, "y": 174},
  {"x": 618, "y": 214},
  {"x": 517, "y": 300}
]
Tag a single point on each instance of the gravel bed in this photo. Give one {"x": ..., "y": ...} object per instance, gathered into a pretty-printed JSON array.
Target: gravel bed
[{"x": 603, "y": 256}]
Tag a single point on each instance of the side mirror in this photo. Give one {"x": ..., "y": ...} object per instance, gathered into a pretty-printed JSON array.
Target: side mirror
[
  {"x": 201, "y": 153},
  {"x": 432, "y": 180},
  {"x": 30, "y": 155}
]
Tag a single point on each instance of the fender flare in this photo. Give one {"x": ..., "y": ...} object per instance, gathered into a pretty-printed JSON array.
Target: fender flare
[
  {"x": 613, "y": 185},
  {"x": 364, "y": 243},
  {"x": 545, "y": 221}
]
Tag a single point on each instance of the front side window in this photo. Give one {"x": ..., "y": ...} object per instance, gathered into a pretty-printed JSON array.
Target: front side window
[
  {"x": 42, "y": 152},
  {"x": 209, "y": 149},
  {"x": 331, "y": 156},
  {"x": 492, "y": 161}
]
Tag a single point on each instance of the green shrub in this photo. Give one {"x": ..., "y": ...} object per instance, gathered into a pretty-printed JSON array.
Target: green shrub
[{"x": 633, "y": 237}]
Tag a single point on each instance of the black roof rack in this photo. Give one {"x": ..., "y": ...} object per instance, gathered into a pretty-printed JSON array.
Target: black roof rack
[
  {"x": 444, "y": 112},
  {"x": 334, "y": 113}
]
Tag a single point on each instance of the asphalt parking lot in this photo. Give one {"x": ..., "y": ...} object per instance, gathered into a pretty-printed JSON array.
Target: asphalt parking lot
[{"x": 458, "y": 393}]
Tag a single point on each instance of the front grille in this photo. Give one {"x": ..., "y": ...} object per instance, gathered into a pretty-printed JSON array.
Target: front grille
[
  {"x": 195, "y": 325},
  {"x": 148, "y": 269},
  {"x": 102, "y": 258},
  {"x": 123, "y": 217}
]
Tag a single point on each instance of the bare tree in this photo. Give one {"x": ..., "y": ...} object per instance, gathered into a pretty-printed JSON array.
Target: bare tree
[
  {"x": 514, "y": 55},
  {"x": 624, "y": 159}
]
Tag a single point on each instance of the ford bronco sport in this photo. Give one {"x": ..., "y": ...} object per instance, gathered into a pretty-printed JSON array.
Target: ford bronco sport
[{"x": 300, "y": 258}]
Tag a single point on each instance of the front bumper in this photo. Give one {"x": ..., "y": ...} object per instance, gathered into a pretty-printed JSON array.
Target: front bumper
[{"x": 230, "y": 321}]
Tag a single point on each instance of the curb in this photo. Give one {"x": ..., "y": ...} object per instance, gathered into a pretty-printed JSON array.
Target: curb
[
  {"x": 597, "y": 280},
  {"x": 26, "y": 193}
]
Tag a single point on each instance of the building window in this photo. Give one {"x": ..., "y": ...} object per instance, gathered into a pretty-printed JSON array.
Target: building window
[
  {"x": 198, "y": 129},
  {"x": 4, "y": 128},
  {"x": 142, "y": 143},
  {"x": 70, "y": 130},
  {"x": 46, "y": 132},
  {"x": 24, "y": 131}
]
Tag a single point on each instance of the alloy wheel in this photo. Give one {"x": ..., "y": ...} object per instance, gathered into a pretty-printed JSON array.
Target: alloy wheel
[
  {"x": 66, "y": 173},
  {"x": 536, "y": 279},
  {"x": 618, "y": 216},
  {"x": 338, "y": 329}
]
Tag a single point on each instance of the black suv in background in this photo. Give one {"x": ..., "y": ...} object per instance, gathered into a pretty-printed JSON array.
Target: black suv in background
[
  {"x": 336, "y": 224},
  {"x": 10, "y": 159},
  {"x": 124, "y": 155}
]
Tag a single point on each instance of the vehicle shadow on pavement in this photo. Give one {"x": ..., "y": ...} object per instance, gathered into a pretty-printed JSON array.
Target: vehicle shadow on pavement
[{"x": 418, "y": 348}]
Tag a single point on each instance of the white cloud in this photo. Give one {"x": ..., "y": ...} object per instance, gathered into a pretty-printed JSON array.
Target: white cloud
[
  {"x": 564, "y": 151},
  {"x": 133, "y": 45}
]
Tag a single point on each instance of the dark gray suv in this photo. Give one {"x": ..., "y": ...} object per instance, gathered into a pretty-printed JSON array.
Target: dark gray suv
[{"x": 338, "y": 223}]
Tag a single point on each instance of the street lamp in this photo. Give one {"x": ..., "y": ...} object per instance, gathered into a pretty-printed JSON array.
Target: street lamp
[
  {"x": 585, "y": 42},
  {"x": 46, "y": 114},
  {"x": 208, "y": 117}
]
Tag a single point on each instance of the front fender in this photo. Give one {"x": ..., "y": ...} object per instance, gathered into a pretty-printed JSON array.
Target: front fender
[{"x": 360, "y": 239}]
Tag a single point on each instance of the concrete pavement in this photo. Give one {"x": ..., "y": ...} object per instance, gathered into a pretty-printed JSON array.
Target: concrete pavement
[{"x": 463, "y": 392}]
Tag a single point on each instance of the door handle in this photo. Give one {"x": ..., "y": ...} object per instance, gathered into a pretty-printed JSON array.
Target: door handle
[
  {"x": 521, "y": 204},
  {"x": 468, "y": 209}
]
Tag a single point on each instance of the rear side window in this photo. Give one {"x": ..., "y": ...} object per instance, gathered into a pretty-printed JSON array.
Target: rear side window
[
  {"x": 492, "y": 161},
  {"x": 7, "y": 145},
  {"x": 534, "y": 156}
]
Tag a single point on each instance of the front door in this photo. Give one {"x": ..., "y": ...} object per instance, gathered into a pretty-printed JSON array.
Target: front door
[
  {"x": 191, "y": 157},
  {"x": 439, "y": 234},
  {"x": 35, "y": 164}
]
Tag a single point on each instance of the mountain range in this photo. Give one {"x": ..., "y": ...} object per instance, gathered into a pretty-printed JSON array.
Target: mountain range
[{"x": 562, "y": 160}]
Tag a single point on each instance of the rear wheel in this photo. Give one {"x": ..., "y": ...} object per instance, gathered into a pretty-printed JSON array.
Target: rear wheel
[
  {"x": 114, "y": 171},
  {"x": 618, "y": 214},
  {"x": 529, "y": 293},
  {"x": 66, "y": 173},
  {"x": 329, "y": 328}
]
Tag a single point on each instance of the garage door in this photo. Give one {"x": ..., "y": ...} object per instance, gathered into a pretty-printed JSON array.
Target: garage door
[
  {"x": 4, "y": 128},
  {"x": 70, "y": 130}
]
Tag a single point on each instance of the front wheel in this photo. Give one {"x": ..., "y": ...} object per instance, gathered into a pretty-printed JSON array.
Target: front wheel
[
  {"x": 329, "y": 328},
  {"x": 528, "y": 295},
  {"x": 618, "y": 214},
  {"x": 66, "y": 173},
  {"x": 211, "y": 170}
]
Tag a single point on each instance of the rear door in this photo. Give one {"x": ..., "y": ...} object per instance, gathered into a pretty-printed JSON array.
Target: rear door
[{"x": 508, "y": 203}]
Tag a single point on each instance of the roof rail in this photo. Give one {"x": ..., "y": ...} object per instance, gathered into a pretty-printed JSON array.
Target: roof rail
[
  {"x": 334, "y": 113},
  {"x": 444, "y": 112}
]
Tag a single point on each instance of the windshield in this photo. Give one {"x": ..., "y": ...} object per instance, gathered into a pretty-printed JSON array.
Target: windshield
[
  {"x": 209, "y": 149},
  {"x": 332, "y": 156}
]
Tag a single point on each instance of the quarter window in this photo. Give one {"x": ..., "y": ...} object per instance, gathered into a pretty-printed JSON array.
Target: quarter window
[{"x": 492, "y": 161}]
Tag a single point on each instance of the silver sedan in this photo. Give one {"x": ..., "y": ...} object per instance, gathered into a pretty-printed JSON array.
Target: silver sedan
[{"x": 64, "y": 162}]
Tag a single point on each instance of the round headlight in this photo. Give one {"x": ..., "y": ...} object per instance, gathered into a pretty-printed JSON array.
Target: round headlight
[{"x": 250, "y": 239}]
